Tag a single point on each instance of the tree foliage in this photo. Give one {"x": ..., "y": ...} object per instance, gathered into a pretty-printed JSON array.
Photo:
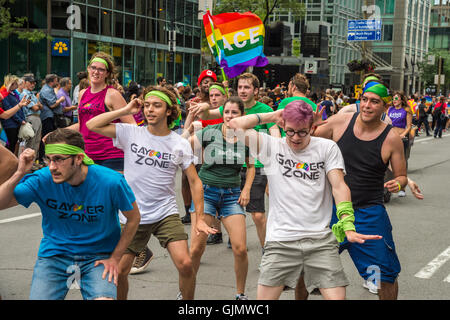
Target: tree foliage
[
  {"x": 262, "y": 8},
  {"x": 427, "y": 71},
  {"x": 16, "y": 25}
]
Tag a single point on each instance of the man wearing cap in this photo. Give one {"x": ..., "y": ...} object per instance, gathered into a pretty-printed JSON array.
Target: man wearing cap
[
  {"x": 32, "y": 113},
  {"x": 82, "y": 242},
  {"x": 368, "y": 146}
]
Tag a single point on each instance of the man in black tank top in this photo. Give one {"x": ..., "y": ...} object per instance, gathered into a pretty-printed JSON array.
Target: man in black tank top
[{"x": 368, "y": 145}]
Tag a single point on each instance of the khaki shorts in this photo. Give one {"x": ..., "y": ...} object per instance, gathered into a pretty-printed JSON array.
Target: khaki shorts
[
  {"x": 317, "y": 259},
  {"x": 167, "y": 230}
]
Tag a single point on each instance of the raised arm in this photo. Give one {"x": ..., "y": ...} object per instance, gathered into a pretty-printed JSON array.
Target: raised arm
[
  {"x": 7, "y": 199},
  {"x": 101, "y": 124}
]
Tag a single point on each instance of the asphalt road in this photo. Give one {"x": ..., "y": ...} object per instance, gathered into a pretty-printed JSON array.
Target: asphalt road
[{"x": 420, "y": 229}]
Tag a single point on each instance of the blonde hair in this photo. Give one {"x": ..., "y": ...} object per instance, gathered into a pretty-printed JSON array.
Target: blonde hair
[
  {"x": 111, "y": 66},
  {"x": 9, "y": 79}
]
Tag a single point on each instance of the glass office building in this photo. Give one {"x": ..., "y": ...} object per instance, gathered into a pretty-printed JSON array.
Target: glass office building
[{"x": 135, "y": 33}]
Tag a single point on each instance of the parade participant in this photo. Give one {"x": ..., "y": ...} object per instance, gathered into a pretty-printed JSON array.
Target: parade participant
[
  {"x": 79, "y": 202},
  {"x": 217, "y": 98},
  {"x": 297, "y": 89},
  {"x": 368, "y": 146},
  {"x": 154, "y": 153},
  {"x": 440, "y": 112},
  {"x": 423, "y": 110},
  {"x": 220, "y": 175},
  {"x": 401, "y": 116},
  {"x": 299, "y": 239},
  {"x": 98, "y": 98},
  {"x": 205, "y": 79},
  {"x": 10, "y": 83},
  {"x": 248, "y": 88}
]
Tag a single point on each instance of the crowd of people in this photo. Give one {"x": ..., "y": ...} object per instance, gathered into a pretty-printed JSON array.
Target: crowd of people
[{"x": 108, "y": 157}]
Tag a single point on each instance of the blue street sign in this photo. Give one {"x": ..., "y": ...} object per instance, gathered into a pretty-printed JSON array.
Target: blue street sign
[
  {"x": 364, "y": 25},
  {"x": 364, "y": 30},
  {"x": 364, "y": 35}
]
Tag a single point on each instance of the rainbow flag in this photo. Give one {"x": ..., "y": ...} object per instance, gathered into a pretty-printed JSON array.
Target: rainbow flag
[
  {"x": 236, "y": 40},
  {"x": 429, "y": 101}
]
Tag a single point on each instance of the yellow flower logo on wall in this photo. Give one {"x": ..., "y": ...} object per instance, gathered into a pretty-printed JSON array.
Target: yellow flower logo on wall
[{"x": 60, "y": 47}]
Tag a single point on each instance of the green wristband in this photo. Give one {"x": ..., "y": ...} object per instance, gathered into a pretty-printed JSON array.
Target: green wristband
[{"x": 345, "y": 224}]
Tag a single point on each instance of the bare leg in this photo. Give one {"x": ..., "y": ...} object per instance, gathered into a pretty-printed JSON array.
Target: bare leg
[
  {"x": 388, "y": 291},
  {"x": 235, "y": 226},
  {"x": 179, "y": 253},
  {"x": 198, "y": 242},
  {"x": 268, "y": 293},
  {"x": 259, "y": 218},
  {"x": 124, "y": 269},
  {"x": 337, "y": 293}
]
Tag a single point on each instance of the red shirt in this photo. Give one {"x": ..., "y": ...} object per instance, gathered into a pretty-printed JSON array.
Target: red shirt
[
  {"x": 210, "y": 122},
  {"x": 438, "y": 105}
]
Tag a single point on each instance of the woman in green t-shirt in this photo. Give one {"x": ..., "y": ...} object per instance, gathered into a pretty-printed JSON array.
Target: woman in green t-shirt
[{"x": 223, "y": 156}]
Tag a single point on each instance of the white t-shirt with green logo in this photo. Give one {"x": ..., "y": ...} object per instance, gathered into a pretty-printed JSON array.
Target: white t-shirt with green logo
[
  {"x": 150, "y": 167},
  {"x": 301, "y": 200}
]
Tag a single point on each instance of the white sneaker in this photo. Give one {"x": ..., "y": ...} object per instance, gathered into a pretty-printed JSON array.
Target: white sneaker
[
  {"x": 402, "y": 193},
  {"x": 370, "y": 286}
]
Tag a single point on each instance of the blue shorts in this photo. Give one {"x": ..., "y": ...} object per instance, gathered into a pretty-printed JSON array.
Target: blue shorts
[
  {"x": 116, "y": 164},
  {"x": 221, "y": 200},
  {"x": 54, "y": 276},
  {"x": 373, "y": 254}
]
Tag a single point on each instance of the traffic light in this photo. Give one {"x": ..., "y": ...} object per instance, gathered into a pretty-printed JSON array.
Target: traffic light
[{"x": 266, "y": 75}]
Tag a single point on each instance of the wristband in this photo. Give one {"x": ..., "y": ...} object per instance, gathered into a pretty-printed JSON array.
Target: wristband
[
  {"x": 399, "y": 186},
  {"x": 345, "y": 224},
  {"x": 259, "y": 118}
]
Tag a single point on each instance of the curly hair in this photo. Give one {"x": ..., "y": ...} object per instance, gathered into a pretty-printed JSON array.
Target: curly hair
[{"x": 174, "y": 108}]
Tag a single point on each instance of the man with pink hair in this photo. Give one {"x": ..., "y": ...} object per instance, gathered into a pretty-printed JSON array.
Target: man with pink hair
[{"x": 304, "y": 174}]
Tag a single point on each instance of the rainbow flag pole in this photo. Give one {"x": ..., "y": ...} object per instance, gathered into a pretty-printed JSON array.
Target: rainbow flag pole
[{"x": 216, "y": 46}]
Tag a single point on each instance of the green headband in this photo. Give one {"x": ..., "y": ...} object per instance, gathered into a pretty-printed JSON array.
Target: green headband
[
  {"x": 164, "y": 97},
  {"x": 60, "y": 148},
  {"x": 370, "y": 78},
  {"x": 97, "y": 59},
  {"x": 215, "y": 86},
  {"x": 378, "y": 89}
]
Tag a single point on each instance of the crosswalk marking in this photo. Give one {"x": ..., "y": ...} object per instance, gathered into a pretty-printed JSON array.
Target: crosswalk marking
[
  {"x": 428, "y": 271},
  {"x": 27, "y": 216}
]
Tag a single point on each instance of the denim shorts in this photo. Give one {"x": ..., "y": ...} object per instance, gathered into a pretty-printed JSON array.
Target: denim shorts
[
  {"x": 116, "y": 164},
  {"x": 54, "y": 276},
  {"x": 224, "y": 201}
]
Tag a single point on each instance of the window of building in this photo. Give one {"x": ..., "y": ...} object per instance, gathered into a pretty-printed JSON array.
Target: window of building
[
  {"x": 107, "y": 4},
  {"x": 160, "y": 32},
  {"x": 93, "y": 2},
  {"x": 161, "y": 63},
  {"x": 150, "y": 57},
  {"x": 387, "y": 32},
  {"x": 118, "y": 5},
  {"x": 389, "y": 7},
  {"x": 59, "y": 15},
  {"x": 130, "y": 4},
  {"x": 118, "y": 24},
  {"x": 106, "y": 23},
  {"x": 140, "y": 7},
  {"x": 129, "y": 26},
  {"x": 37, "y": 17},
  {"x": 196, "y": 38},
  {"x": 151, "y": 27},
  {"x": 92, "y": 21},
  {"x": 78, "y": 58},
  {"x": 140, "y": 28}
]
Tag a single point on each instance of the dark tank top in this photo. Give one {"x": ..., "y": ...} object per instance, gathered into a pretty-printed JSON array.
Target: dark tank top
[{"x": 364, "y": 166}]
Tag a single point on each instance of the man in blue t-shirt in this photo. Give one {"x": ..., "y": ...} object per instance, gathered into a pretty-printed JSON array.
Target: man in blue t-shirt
[{"x": 82, "y": 242}]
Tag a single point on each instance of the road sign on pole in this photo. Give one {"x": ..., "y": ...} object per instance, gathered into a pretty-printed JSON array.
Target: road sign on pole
[{"x": 364, "y": 30}]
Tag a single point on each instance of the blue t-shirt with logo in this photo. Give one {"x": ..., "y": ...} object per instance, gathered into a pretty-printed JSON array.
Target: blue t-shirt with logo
[{"x": 77, "y": 220}]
